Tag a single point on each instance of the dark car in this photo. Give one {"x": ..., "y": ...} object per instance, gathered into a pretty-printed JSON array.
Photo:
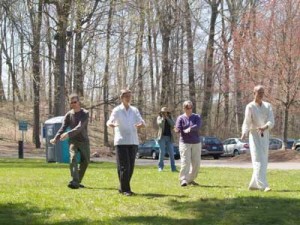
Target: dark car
[
  {"x": 289, "y": 143},
  {"x": 150, "y": 148},
  {"x": 296, "y": 145},
  {"x": 211, "y": 146}
]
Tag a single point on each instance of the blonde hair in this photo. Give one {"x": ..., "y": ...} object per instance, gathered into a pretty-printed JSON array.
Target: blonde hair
[{"x": 187, "y": 103}]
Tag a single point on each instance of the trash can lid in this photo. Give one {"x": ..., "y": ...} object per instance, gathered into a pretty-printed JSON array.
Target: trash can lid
[{"x": 58, "y": 119}]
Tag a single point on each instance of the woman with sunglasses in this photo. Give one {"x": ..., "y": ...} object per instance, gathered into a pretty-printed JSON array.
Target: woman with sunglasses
[{"x": 188, "y": 125}]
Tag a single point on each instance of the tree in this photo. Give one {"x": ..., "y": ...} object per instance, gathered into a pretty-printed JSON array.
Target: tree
[
  {"x": 190, "y": 52},
  {"x": 209, "y": 67},
  {"x": 36, "y": 23},
  {"x": 270, "y": 54},
  {"x": 63, "y": 11},
  {"x": 106, "y": 70},
  {"x": 167, "y": 15}
]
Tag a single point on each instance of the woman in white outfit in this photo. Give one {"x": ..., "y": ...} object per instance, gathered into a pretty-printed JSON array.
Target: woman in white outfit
[{"x": 258, "y": 121}]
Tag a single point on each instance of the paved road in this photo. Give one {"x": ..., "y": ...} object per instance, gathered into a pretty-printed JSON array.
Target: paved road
[{"x": 223, "y": 162}]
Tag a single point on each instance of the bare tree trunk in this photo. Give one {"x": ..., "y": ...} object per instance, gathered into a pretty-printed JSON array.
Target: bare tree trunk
[
  {"x": 106, "y": 72},
  {"x": 121, "y": 58},
  {"x": 12, "y": 72},
  {"x": 78, "y": 73},
  {"x": 226, "y": 73},
  {"x": 150, "y": 49},
  {"x": 140, "y": 56},
  {"x": 157, "y": 76},
  {"x": 209, "y": 69},
  {"x": 50, "y": 86},
  {"x": 166, "y": 11},
  {"x": 63, "y": 10},
  {"x": 2, "y": 93},
  {"x": 23, "y": 67},
  {"x": 36, "y": 22},
  {"x": 181, "y": 67},
  {"x": 190, "y": 50}
]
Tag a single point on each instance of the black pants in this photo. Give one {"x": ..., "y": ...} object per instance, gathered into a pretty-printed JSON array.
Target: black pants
[{"x": 125, "y": 155}]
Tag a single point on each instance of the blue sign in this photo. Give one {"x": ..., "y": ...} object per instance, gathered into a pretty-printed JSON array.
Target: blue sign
[{"x": 23, "y": 125}]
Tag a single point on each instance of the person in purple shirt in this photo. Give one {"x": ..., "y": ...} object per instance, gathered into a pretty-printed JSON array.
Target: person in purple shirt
[{"x": 188, "y": 125}]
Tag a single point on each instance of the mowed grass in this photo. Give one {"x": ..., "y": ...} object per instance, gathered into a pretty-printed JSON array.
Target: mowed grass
[{"x": 35, "y": 192}]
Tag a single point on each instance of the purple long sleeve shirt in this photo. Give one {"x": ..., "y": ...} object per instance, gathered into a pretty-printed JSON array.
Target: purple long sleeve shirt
[{"x": 183, "y": 122}]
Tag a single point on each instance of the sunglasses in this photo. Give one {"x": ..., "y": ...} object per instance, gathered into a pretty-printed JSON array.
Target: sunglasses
[
  {"x": 188, "y": 107},
  {"x": 74, "y": 102}
]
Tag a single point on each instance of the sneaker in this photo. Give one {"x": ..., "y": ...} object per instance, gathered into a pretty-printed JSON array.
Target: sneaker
[
  {"x": 160, "y": 169},
  {"x": 81, "y": 186},
  {"x": 73, "y": 185},
  {"x": 183, "y": 183},
  {"x": 128, "y": 193},
  {"x": 267, "y": 189},
  {"x": 193, "y": 183}
]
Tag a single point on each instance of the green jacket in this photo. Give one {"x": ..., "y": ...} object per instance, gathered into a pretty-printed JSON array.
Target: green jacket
[{"x": 161, "y": 126}]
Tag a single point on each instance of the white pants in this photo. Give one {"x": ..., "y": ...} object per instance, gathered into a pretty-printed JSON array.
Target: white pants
[
  {"x": 259, "y": 149},
  {"x": 190, "y": 156}
]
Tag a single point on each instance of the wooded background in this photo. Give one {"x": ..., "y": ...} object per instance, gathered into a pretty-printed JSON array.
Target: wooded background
[{"x": 212, "y": 52}]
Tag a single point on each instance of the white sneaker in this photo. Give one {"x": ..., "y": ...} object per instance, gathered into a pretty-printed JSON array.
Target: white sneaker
[
  {"x": 160, "y": 169},
  {"x": 267, "y": 189}
]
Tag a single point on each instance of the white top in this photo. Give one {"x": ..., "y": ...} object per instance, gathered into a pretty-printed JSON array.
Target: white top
[
  {"x": 125, "y": 131},
  {"x": 257, "y": 116}
]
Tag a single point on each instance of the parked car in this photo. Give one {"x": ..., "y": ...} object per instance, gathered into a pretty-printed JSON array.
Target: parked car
[
  {"x": 296, "y": 145},
  {"x": 211, "y": 146},
  {"x": 150, "y": 148},
  {"x": 289, "y": 143},
  {"x": 235, "y": 146},
  {"x": 276, "y": 144}
]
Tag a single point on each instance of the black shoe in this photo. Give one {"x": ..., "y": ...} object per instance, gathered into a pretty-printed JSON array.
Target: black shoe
[
  {"x": 183, "y": 184},
  {"x": 72, "y": 185},
  {"x": 81, "y": 186}
]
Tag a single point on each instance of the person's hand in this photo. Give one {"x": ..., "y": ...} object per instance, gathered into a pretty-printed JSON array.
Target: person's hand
[
  {"x": 64, "y": 136},
  {"x": 261, "y": 130},
  {"x": 113, "y": 124},
  {"x": 187, "y": 130},
  {"x": 139, "y": 125},
  {"x": 53, "y": 141},
  {"x": 176, "y": 130}
]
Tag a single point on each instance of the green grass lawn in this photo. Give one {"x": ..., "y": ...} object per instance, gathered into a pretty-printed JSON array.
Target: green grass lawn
[{"x": 35, "y": 192}]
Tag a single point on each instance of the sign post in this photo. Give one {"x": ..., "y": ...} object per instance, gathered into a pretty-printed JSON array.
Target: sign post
[{"x": 22, "y": 127}]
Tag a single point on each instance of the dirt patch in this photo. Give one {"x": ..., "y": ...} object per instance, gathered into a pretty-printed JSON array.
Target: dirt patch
[{"x": 274, "y": 156}]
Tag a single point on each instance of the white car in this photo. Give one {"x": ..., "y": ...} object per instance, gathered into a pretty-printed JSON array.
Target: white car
[{"x": 235, "y": 146}]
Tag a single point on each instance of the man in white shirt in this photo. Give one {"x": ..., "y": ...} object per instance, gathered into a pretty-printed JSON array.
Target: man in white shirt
[
  {"x": 125, "y": 119},
  {"x": 258, "y": 121}
]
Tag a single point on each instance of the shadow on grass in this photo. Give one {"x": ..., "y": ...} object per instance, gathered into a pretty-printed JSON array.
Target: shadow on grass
[
  {"x": 236, "y": 211},
  {"x": 155, "y": 195},
  {"x": 22, "y": 214}
]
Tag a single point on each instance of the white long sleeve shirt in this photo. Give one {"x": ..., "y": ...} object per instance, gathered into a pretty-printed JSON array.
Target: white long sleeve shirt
[
  {"x": 257, "y": 116},
  {"x": 125, "y": 131}
]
